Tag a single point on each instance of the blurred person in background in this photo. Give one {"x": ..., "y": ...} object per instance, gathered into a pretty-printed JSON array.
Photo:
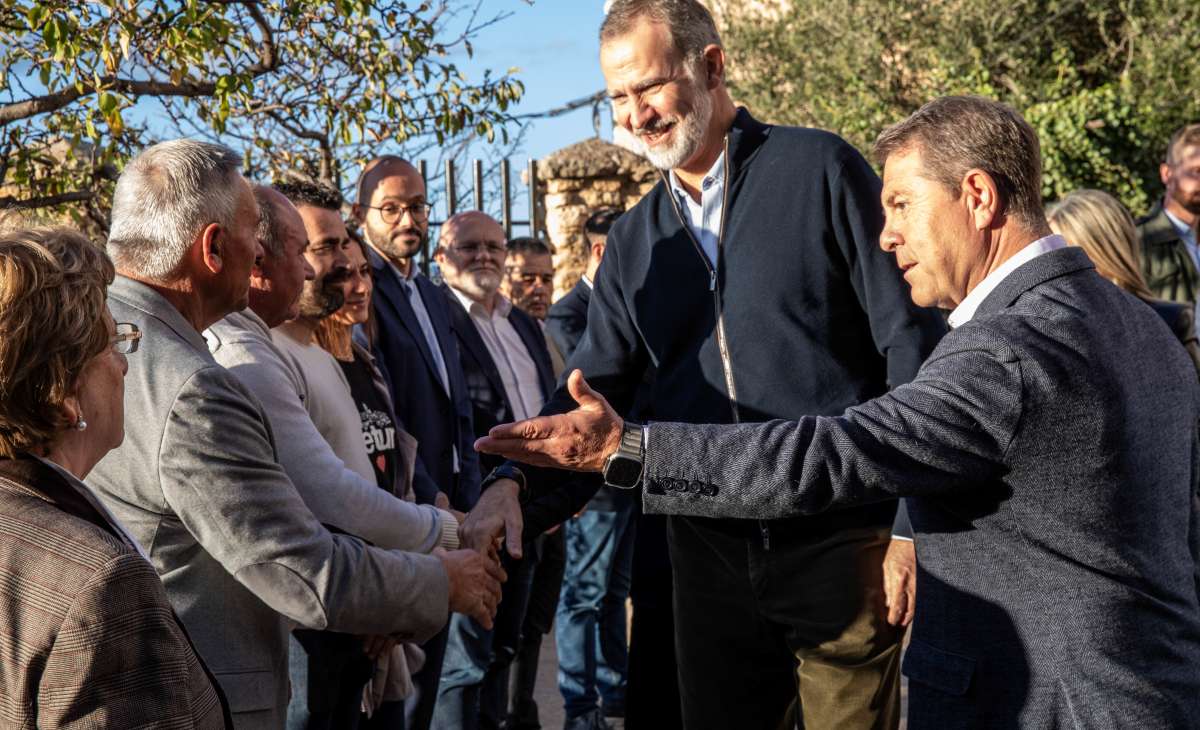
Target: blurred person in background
[
  {"x": 1170, "y": 255},
  {"x": 529, "y": 284},
  {"x": 89, "y": 635},
  {"x": 507, "y": 371},
  {"x": 1098, "y": 223}
]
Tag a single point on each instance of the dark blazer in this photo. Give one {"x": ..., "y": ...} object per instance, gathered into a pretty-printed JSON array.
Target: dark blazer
[
  {"x": 439, "y": 422},
  {"x": 803, "y": 314},
  {"x": 1049, "y": 449},
  {"x": 567, "y": 318},
  {"x": 1167, "y": 265},
  {"x": 489, "y": 401},
  {"x": 1181, "y": 318},
  {"x": 89, "y": 636}
]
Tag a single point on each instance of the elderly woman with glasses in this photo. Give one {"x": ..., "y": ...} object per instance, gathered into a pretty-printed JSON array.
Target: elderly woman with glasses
[{"x": 87, "y": 636}]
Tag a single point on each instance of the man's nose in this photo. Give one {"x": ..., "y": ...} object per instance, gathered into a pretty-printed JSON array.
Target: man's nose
[
  {"x": 642, "y": 114},
  {"x": 888, "y": 239}
]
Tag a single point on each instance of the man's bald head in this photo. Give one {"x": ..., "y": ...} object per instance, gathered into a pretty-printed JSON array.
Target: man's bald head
[
  {"x": 278, "y": 279},
  {"x": 469, "y": 222},
  {"x": 380, "y": 168}
]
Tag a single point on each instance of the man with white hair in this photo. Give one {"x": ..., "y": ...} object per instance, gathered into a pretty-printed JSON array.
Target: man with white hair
[{"x": 197, "y": 479}]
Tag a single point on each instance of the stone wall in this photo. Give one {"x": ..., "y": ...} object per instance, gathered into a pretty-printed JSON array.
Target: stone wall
[{"x": 575, "y": 181}]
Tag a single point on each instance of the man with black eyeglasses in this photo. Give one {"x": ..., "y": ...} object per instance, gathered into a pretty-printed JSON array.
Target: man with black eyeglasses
[{"x": 418, "y": 354}]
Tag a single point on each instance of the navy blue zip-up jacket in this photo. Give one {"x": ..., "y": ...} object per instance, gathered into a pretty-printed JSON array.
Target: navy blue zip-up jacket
[{"x": 816, "y": 317}]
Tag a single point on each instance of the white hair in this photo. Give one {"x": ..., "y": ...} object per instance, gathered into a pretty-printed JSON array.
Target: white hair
[{"x": 164, "y": 198}]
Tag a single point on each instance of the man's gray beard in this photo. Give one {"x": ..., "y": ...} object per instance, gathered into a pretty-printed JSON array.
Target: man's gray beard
[
  {"x": 470, "y": 283},
  {"x": 689, "y": 135}
]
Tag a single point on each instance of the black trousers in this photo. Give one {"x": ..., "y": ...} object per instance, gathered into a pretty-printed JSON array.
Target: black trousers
[
  {"x": 652, "y": 685},
  {"x": 764, "y": 630}
]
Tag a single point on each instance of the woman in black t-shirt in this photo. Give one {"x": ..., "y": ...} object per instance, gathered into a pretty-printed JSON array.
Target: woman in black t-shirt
[{"x": 371, "y": 398}]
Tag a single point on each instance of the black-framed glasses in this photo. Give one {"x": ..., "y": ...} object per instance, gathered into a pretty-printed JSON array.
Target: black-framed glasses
[
  {"x": 392, "y": 212},
  {"x": 126, "y": 340}
]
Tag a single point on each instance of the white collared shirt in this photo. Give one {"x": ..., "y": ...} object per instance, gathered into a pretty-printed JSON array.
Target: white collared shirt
[
  {"x": 704, "y": 218},
  {"x": 965, "y": 311},
  {"x": 517, "y": 369}
]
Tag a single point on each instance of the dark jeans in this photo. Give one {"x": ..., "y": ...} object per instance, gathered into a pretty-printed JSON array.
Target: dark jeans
[
  {"x": 473, "y": 692},
  {"x": 539, "y": 618},
  {"x": 761, "y": 632},
  {"x": 328, "y": 671},
  {"x": 590, "y": 629},
  {"x": 652, "y": 688}
]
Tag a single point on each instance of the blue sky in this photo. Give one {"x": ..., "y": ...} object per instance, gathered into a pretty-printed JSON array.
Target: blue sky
[{"x": 553, "y": 44}]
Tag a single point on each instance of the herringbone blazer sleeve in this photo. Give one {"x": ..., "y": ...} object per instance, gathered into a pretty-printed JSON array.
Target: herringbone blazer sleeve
[
  {"x": 948, "y": 429},
  {"x": 120, "y": 660},
  {"x": 217, "y": 474}
]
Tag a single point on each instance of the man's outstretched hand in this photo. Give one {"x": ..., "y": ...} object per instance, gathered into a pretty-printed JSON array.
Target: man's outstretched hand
[{"x": 580, "y": 440}]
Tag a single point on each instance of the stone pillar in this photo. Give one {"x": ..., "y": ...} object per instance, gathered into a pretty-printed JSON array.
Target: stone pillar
[{"x": 574, "y": 182}]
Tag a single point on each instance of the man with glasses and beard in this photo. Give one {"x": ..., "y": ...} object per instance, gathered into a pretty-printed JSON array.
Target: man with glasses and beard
[
  {"x": 416, "y": 350},
  {"x": 751, "y": 278}
]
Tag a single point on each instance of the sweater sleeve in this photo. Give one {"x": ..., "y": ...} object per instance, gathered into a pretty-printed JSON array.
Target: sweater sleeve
[
  {"x": 903, "y": 332},
  {"x": 336, "y": 494}
]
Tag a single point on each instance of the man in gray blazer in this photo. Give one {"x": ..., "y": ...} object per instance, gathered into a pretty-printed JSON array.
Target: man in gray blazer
[
  {"x": 1049, "y": 445},
  {"x": 197, "y": 480}
]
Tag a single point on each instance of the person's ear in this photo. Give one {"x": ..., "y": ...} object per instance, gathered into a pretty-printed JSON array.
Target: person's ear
[
  {"x": 212, "y": 247},
  {"x": 982, "y": 198},
  {"x": 70, "y": 411},
  {"x": 714, "y": 66},
  {"x": 597, "y": 250},
  {"x": 1164, "y": 173},
  {"x": 358, "y": 213}
]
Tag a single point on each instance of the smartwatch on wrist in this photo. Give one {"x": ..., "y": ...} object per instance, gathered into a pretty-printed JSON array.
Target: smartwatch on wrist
[
  {"x": 623, "y": 469},
  {"x": 507, "y": 470}
]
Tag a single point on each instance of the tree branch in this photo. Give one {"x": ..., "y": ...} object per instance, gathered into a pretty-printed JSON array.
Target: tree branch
[
  {"x": 268, "y": 60},
  {"x": 45, "y": 201}
]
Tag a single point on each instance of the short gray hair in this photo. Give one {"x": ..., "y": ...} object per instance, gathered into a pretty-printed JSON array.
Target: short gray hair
[
  {"x": 955, "y": 134},
  {"x": 691, "y": 25},
  {"x": 164, "y": 198},
  {"x": 266, "y": 231}
]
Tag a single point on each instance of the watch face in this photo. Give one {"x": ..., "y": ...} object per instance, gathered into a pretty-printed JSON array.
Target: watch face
[{"x": 623, "y": 472}]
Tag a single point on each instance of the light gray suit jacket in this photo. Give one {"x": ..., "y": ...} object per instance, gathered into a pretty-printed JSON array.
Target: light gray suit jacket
[
  {"x": 337, "y": 495},
  {"x": 197, "y": 484},
  {"x": 1050, "y": 447}
]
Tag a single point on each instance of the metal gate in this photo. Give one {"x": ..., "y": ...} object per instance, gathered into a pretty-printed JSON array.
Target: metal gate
[{"x": 534, "y": 223}]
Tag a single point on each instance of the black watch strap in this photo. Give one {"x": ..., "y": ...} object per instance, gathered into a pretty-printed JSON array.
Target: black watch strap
[{"x": 507, "y": 470}]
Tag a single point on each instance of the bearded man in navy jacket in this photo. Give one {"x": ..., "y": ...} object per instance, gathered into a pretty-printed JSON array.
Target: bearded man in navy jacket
[{"x": 751, "y": 278}]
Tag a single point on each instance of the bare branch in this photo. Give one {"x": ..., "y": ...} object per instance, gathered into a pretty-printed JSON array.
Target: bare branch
[{"x": 45, "y": 201}]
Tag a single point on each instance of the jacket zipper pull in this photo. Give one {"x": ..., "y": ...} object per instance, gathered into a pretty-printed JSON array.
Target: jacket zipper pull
[{"x": 712, "y": 280}]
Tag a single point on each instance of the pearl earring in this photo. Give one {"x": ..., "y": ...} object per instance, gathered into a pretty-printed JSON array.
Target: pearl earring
[{"x": 80, "y": 425}]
